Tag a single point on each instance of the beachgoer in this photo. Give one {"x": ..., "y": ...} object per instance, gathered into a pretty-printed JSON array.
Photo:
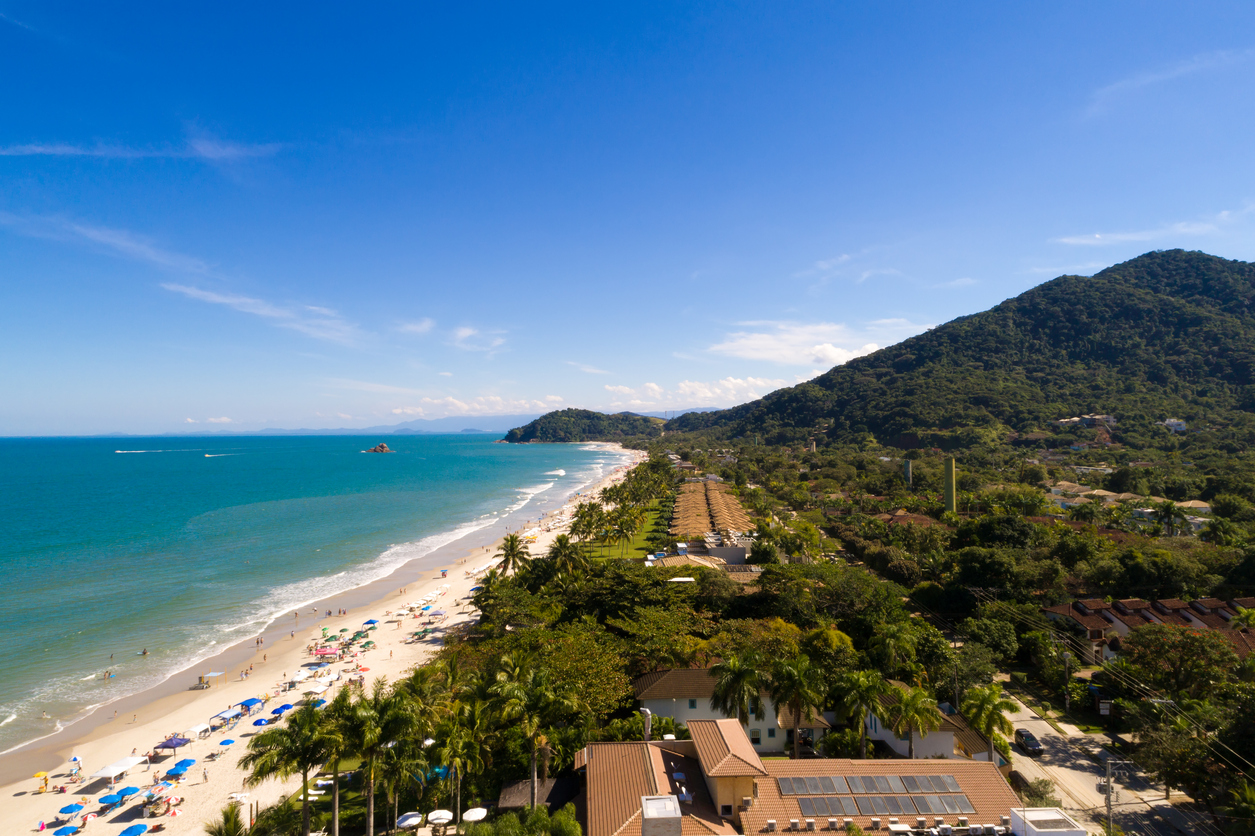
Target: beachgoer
[
  {"x": 134, "y": 718},
  {"x": 206, "y": 775},
  {"x": 263, "y": 657}
]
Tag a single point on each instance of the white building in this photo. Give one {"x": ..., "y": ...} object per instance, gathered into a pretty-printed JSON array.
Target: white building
[{"x": 954, "y": 739}]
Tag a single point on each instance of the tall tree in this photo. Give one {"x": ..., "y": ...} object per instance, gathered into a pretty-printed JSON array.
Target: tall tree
[
  {"x": 567, "y": 556},
  {"x": 296, "y": 747},
  {"x": 859, "y": 694},
  {"x": 230, "y": 823},
  {"x": 333, "y": 732},
  {"x": 986, "y": 709},
  {"x": 738, "y": 688},
  {"x": 533, "y": 703},
  {"x": 915, "y": 711},
  {"x": 513, "y": 553},
  {"x": 378, "y": 720},
  {"x": 894, "y": 644},
  {"x": 799, "y": 685}
]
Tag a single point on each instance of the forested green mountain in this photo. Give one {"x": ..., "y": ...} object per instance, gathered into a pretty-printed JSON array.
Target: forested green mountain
[
  {"x": 1167, "y": 334},
  {"x": 585, "y": 425}
]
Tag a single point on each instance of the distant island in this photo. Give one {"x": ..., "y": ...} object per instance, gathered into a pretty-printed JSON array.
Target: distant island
[
  {"x": 381, "y": 448},
  {"x": 585, "y": 425}
]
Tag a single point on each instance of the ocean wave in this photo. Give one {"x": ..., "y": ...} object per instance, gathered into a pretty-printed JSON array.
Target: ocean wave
[
  {"x": 558, "y": 472},
  {"x": 216, "y": 455},
  {"x": 8, "y": 720}
]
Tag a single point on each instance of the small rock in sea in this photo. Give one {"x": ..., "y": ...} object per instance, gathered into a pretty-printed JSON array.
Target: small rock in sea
[{"x": 380, "y": 448}]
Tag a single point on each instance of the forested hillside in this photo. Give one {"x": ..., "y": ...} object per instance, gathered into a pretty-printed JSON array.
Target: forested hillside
[
  {"x": 586, "y": 425},
  {"x": 1167, "y": 334}
]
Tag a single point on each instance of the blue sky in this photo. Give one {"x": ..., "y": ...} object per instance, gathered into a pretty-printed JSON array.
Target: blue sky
[{"x": 259, "y": 215}]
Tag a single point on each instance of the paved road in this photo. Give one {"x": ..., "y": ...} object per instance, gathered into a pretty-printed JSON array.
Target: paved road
[{"x": 1137, "y": 806}]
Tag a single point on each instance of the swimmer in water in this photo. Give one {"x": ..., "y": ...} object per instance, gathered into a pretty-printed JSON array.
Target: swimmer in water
[{"x": 145, "y": 653}]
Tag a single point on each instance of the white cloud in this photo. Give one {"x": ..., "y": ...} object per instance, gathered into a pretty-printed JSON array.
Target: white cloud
[
  {"x": 729, "y": 391},
  {"x": 223, "y": 420},
  {"x": 325, "y": 324},
  {"x": 809, "y": 344},
  {"x": 553, "y": 398},
  {"x": 190, "y": 421},
  {"x": 345, "y": 416},
  {"x": 445, "y": 374},
  {"x": 201, "y": 147},
  {"x": 1101, "y": 239},
  {"x": 622, "y": 390},
  {"x": 421, "y": 326},
  {"x": 1203, "y": 62},
  {"x": 585, "y": 368},
  {"x": 467, "y": 338}
]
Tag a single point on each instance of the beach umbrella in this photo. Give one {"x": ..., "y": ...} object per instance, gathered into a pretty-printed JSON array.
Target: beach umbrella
[
  {"x": 373, "y": 627},
  {"x": 344, "y": 629},
  {"x": 111, "y": 798},
  {"x": 262, "y": 722},
  {"x": 176, "y": 812},
  {"x": 89, "y": 817},
  {"x": 40, "y": 774},
  {"x": 319, "y": 703},
  {"x": 475, "y": 814},
  {"x": 66, "y": 831},
  {"x": 128, "y": 791},
  {"x": 186, "y": 762},
  {"x": 75, "y": 759},
  {"x": 226, "y": 742},
  {"x": 134, "y": 830},
  {"x": 277, "y": 711},
  {"x": 287, "y": 706},
  {"x": 426, "y": 608},
  {"x": 70, "y": 809},
  {"x": 176, "y": 770},
  {"x": 410, "y": 820},
  {"x": 371, "y": 621}
]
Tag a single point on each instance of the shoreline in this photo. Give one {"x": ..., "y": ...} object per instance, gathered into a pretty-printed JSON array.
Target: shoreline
[{"x": 173, "y": 695}]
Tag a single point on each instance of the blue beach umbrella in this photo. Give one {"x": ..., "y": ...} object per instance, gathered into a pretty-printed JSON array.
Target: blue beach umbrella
[
  {"x": 111, "y": 798},
  {"x": 278, "y": 711},
  {"x": 70, "y": 809},
  {"x": 134, "y": 830},
  {"x": 287, "y": 706},
  {"x": 177, "y": 770},
  {"x": 66, "y": 831},
  {"x": 186, "y": 762},
  {"x": 371, "y": 621},
  {"x": 262, "y": 722},
  {"x": 128, "y": 791},
  {"x": 226, "y": 742},
  {"x": 319, "y": 703}
]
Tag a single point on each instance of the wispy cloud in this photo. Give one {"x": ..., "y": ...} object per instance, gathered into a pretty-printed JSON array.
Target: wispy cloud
[
  {"x": 202, "y": 148},
  {"x": 585, "y": 368},
  {"x": 223, "y": 420},
  {"x": 116, "y": 241},
  {"x": 421, "y": 326},
  {"x": 467, "y": 338},
  {"x": 1202, "y": 63},
  {"x": 728, "y": 391},
  {"x": 815, "y": 343},
  {"x": 18, "y": 23},
  {"x": 312, "y": 321},
  {"x": 445, "y": 374},
  {"x": 481, "y": 405},
  {"x": 1184, "y": 229}
]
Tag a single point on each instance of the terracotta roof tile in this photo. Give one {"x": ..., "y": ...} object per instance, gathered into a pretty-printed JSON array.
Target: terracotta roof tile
[
  {"x": 681, "y": 683},
  {"x": 980, "y": 781},
  {"x": 723, "y": 748}
]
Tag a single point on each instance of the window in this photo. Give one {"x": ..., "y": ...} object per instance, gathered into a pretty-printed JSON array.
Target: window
[
  {"x": 756, "y": 737},
  {"x": 771, "y": 732},
  {"x": 692, "y": 703},
  {"x": 754, "y": 707},
  {"x": 725, "y": 810}
]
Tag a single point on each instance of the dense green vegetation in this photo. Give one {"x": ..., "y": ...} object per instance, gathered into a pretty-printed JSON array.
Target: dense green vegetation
[
  {"x": 586, "y": 425},
  {"x": 1168, "y": 334}
]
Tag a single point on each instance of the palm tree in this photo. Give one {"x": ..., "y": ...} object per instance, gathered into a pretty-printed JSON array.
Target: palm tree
[
  {"x": 737, "y": 688},
  {"x": 283, "y": 751},
  {"x": 914, "y": 711},
  {"x": 534, "y": 702},
  {"x": 568, "y": 557},
  {"x": 1170, "y": 515},
  {"x": 377, "y": 722},
  {"x": 513, "y": 554},
  {"x": 1090, "y": 512},
  {"x": 797, "y": 684},
  {"x": 400, "y": 766},
  {"x": 336, "y": 745},
  {"x": 1241, "y": 810},
  {"x": 860, "y": 695},
  {"x": 281, "y": 819},
  {"x": 231, "y": 823},
  {"x": 986, "y": 709},
  {"x": 895, "y": 644}
]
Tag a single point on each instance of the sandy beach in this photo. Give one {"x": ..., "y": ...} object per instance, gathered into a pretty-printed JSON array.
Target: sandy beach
[{"x": 138, "y": 723}]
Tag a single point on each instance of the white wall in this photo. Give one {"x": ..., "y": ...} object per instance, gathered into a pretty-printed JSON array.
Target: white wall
[
  {"x": 679, "y": 710},
  {"x": 938, "y": 743}
]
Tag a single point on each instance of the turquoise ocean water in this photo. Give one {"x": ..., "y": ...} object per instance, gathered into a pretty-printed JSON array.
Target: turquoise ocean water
[{"x": 185, "y": 546}]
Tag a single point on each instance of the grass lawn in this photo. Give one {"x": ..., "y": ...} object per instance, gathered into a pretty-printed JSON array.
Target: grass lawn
[{"x": 636, "y": 547}]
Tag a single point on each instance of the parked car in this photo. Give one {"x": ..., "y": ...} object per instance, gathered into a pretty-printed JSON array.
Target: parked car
[{"x": 1028, "y": 742}]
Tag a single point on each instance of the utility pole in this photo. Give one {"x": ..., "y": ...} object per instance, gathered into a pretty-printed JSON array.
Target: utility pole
[
  {"x": 1067, "y": 681},
  {"x": 957, "y": 698},
  {"x": 1110, "y": 772}
]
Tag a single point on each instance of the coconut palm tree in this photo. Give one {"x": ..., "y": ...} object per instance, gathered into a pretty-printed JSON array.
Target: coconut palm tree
[
  {"x": 377, "y": 722},
  {"x": 231, "y": 823},
  {"x": 738, "y": 687},
  {"x": 401, "y": 766},
  {"x": 533, "y": 702},
  {"x": 798, "y": 685},
  {"x": 986, "y": 709},
  {"x": 1171, "y": 516},
  {"x": 895, "y": 645},
  {"x": 333, "y": 733},
  {"x": 295, "y": 747},
  {"x": 514, "y": 554},
  {"x": 567, "y": 556},
  {"x": 915, "y": 711},
  {"x": 860, "y": 693}
]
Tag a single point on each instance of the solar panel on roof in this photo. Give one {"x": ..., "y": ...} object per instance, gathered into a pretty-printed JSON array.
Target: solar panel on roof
[
  {"x": 786, "y": 786},
  {"x": 938, "y": 784},
  {"x": 882, "y": 783},
  {"x": 827, "y": 807},
  {"x": 865, "y": 806},
  {"x": 855, "y": 782},
  {"x": 952, "y": 805},
  {"x": 812, "y": 785},
  {"x": 895, "y": 806},
  {"x": 911, "y": 783},
  {"x": 839, "y": 783},
  {"x": 869, "y": 783},
  {"x": 808, "y": 806},
  {"x": 848, "y": 807},
  {"x": 951, "y": 784},
  {"x": 934, "y": 803},
  {"x": 826, "y": 786},
  {"x": 965, "y": 806},
  {"x": 908, "y": 808},
  {"x": 878, "y": 802},
  {"x": 895, "y": 784}
]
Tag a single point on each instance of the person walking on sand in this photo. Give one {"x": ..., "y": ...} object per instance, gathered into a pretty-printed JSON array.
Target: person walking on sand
[{"x": 206, "y": 775}]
